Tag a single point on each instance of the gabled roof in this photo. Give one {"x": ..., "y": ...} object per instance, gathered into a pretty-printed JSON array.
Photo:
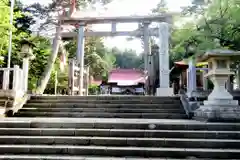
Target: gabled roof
[{"x": 126, "y": 77}]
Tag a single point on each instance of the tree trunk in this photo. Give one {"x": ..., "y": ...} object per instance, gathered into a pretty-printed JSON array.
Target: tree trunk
[{"x": 51, "y": 61}]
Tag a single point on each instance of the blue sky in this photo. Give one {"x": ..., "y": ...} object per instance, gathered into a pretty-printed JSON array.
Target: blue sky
[{"x": 125, "y": 8}]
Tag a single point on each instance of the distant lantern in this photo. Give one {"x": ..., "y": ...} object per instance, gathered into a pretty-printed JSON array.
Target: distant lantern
[{"x": 27, "y": 49}]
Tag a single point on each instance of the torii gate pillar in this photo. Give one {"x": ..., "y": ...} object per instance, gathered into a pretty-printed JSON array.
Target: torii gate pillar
[
  {"x": 164, "y": 89},
  {"x": 80, "y": 56},
  {"x": 147, "y": 52}
]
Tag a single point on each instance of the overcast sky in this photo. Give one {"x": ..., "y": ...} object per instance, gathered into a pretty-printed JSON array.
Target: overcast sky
[{"x": 125, "y": 8}]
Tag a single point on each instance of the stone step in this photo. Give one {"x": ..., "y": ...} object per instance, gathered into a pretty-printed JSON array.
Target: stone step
[
  {"x": 121, "y": 141},
  {"x": 141, "y": 101},
  {"x": 101, "y": 115},
  {"x": 117, "y": 123},
  {"x": 91, "y": 105},
  {"x": 120, "y": 151},
  {"x": 110, "y": 97},
  {"x": 110, "y": 110},
  {"x": 191, "y": 134},
  {"x": 2, "y": 97},
  {"x": 62, "y": 157}
]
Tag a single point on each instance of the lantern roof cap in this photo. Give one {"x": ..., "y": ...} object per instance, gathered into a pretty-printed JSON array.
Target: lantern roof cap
[
  {"x": 28, "y": 42},
  {"x": 219, "y": 53}
]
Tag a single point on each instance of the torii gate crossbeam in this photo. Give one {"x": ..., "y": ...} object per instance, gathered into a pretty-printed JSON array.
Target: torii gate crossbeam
[
  {"x": 135, "y": 33},
  {"x": 166, "y": 17}
]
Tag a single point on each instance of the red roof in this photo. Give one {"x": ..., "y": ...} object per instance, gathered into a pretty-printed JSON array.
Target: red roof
[
  {"x": 181, "y": 63},
  {"x": 95, "y": 81},
  {"x": 126, "y": 77}
]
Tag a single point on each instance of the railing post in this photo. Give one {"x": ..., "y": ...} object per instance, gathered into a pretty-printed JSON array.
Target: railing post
[
  {"x": 71, "y": 76},
  {"x": 25, "y": 73},
  {"x": 87, "y": 80},
  {"x": 6, "y": 79},
  {"x": 20, "y": 82},
  {"x": 16, "y": 78}
]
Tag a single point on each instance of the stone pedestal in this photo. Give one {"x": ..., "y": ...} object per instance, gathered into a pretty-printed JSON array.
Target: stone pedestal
[
  {"x": 27, "y": 55},
  {"x": 164, "y": 92},
  {"x": 220, "y": 105}
]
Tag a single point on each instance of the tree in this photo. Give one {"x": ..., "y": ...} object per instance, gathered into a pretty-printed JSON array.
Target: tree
[
  {"x": 4, "y": 25},
  {"x": 41, "y": 53},
  {"x": 47, "y": 12},
  {"x": 217, "y": 24},
  {"x": 96, "y": 55},
  {"x": 127, "y": 58},
  {"x": 161, "y": 7},
  {"x": 21, "y": 30}
]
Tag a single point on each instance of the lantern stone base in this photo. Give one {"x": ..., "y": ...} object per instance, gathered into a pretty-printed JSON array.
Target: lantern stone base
[
  {"x": 224, "y": 112},
  {"x": 220, "y": 107},
  {"x": 162, "y": 92}
]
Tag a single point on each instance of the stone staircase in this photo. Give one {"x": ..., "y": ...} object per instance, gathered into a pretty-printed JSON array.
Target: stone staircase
[
  {"x": 48, "y": 135},
  {"x": 104, "y": 107}
]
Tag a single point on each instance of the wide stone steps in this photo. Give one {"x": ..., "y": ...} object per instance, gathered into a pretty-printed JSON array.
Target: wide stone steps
[
  {"x": 127, "y": 101},
  {"x": 108, "y": 110},
  {"x": 118, "y": 123},
  {"x": 107, "y": 98},
  {"x": 101, "y": 115},
  {"x": 104, "y": 107},
  {"x": 119, "y": 138},
  {"x": 191, "y": 134},
  {"x": 128, "y": 127},
  {"x": 62, "y": 157},
  {"x": 93, "y": 105},
  {"x": 120, "y": 141},
  {"x": 120, "y": 151}
]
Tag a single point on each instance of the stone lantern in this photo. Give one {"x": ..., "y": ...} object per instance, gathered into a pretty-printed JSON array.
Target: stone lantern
[
  {"x": 220, "y": 105},
  {"x": 27, "y": 49},
  {"x": 27, "y": 54}
]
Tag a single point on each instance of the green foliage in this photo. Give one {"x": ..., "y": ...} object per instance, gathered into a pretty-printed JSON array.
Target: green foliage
[
  {"x": 96, "y": 55},
  {"x": 92, "y": 58},
  {"x": 21, "y": 30},
  {"x": 41, "y": 52},
  {"x": 216, "y": 25},
  {"x": 204, "y": 24},
  {"x": 93, "y": 89},
  {"x": 100, "y": 59},
  {"x": 127, "y": 58},
  {"x": 5, "y": 27},
  {"x": 4, "y": 23}
]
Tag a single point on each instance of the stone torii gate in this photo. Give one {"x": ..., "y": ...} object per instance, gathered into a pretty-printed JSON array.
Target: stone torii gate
[{"x": 162, "y": 32}]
